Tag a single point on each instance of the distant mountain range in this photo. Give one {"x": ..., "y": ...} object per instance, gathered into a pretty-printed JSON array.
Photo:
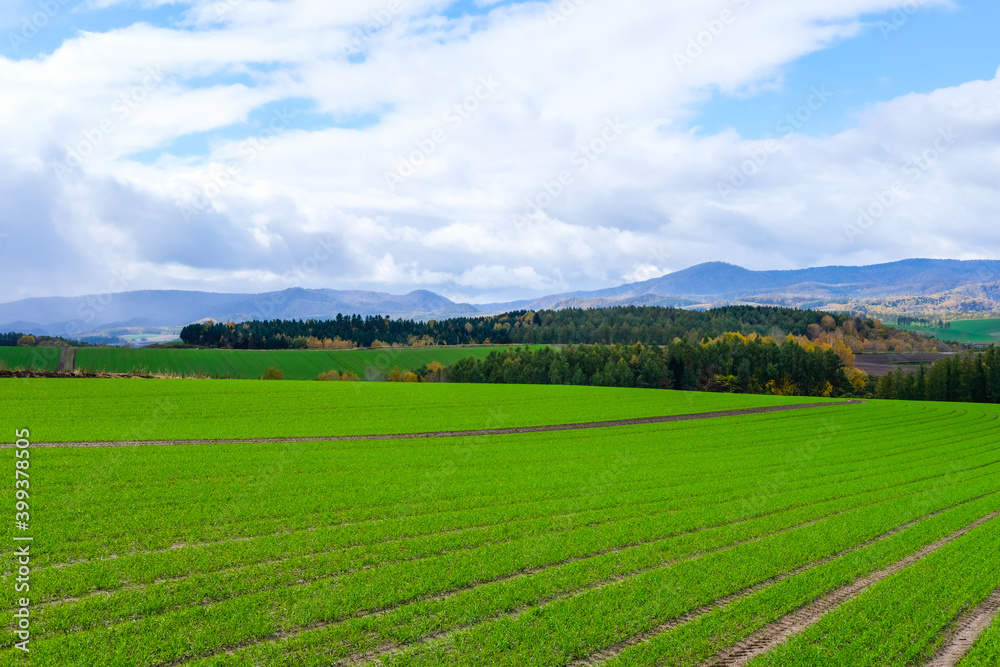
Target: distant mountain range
[
  {"x": 55, "y": 316},
  {"x": 718, "y": 283},
  {"x": 921, "y": 287}
]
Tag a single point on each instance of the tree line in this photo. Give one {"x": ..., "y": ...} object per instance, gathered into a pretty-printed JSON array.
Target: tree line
[
  {"x": 16, "y": 339},
  {"x": 650, "y": 325},
  {"x": 10, "y": 339},
  {"x": 967, "y": 378},
  {"x": 729, "y": 363}
]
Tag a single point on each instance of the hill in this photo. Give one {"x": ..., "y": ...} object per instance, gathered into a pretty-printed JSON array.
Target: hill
[
  {"x": 935, "y": 288},
  {"x": 924, "y": 285},
  {"x": 75, "y": 315}
]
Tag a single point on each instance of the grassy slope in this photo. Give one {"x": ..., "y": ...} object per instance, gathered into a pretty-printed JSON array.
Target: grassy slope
[
  {"x": 251, "y": 364},
  {"x": 36, "y": 358},
  {"x": 965, "y": 331},
  {"x": 136, "y": 409}
]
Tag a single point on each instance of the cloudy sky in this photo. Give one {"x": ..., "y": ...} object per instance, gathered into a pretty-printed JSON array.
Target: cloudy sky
[{"x": 487, "y": 149}]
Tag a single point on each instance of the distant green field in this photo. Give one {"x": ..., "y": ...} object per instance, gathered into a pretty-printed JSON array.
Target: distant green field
[
  {"x": 251, "y": 364},
  {"x": 35, "y": 358},
  {"x": 965, "y": 331}
]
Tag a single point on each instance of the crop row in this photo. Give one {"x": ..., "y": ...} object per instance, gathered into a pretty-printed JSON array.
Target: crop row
[
  {"x": 286, "y": 568},
  {"x": 242, "y": 477},
  {"x": 240, "y": 480},
  {"x": 407, "y": 580},
  {"x": 175, "y": 561},
  {"x": 900, "y": 620},
  {"x": 694, "y": 642},
  {"x": 576, "y": 627},
  {"x": 518, "y": 631},
  {"x": 687, "y": 645},
  {"x": 465, "y": 550},
  {"x": 643, "y": 496}
]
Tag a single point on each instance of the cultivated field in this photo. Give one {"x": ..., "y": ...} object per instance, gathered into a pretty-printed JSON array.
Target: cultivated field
[
  {"x": 867, "y": 533},
  {"x": 882, "y": 363},
  {"x": 236, "y": 364},
  {"x": 965, "y": 331},
  {"x": 250, "y": 364},
  {"x": 37, "y": 358}
]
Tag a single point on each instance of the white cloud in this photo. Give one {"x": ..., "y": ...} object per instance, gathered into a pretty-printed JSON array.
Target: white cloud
[{"x": 649, "y": 202}]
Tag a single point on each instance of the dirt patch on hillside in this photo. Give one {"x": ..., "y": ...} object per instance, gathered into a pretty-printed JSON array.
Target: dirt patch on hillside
[
  {"x": 33, "y": 374},
  {"x": 883, "y": 364},
  {"x": 67, "y": 360}
]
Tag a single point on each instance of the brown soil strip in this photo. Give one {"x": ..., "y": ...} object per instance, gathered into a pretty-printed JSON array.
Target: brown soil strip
[
  {"x": 781, "y": 630},
  {"x": 453, "y": 434},
  {"x": 960, "y": 641},
  {"x": 25, "y": 373},
  {"x": 67, "y": 359}
]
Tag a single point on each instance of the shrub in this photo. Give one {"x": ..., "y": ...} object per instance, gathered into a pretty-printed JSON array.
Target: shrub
[
  {"x": 329, "y": 376},
  {"x": 273, "y": 373}
]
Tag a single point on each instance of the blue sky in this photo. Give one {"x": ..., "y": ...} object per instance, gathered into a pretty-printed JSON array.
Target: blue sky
[
  {"x": 488, "y": 150},
  {"x": 930, "y": 49},
  {"x": 895, "y": 53}
]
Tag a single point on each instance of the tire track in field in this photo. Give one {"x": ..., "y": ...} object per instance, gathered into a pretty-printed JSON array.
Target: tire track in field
[
  {"x": 67, "y": 360},
  {"x": 615, "y": 650},
  {"x": 395, "y": 647},
  {"x": 779, "y": 631},
  {"x": 963, "y": 637},
  {"x": 452, "y": 434}
]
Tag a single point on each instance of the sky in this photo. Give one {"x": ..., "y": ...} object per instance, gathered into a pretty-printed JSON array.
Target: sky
[{"x": 487, "y": 150}]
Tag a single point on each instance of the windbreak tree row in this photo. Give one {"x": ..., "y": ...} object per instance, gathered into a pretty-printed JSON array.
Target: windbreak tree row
[
  {"x": 571, "y": 326},
  {"x": 731, "y": 363}
]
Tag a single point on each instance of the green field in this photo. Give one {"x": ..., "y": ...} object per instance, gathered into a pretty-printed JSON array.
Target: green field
[
  {"x": 140, "y": 409},
  {"x": 35, "y": 358},
  {"x": 251, "y": 364},
  {"x": 630, "y": 545},
  {"x": 964, "y": 331}
]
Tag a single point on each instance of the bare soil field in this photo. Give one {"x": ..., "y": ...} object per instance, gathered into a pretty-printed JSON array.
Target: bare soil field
[{"x": 884, "y": 363}]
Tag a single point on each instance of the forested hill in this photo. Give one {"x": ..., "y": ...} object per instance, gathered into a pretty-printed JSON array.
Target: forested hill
[{"x": 626, "y": 324}]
